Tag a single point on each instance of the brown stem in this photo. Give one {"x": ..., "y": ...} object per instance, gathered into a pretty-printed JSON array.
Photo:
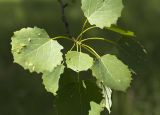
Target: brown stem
[{"x": 64, "y": 18}]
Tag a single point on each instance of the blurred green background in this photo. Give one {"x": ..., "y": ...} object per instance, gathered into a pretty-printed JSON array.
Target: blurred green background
[{"x": 22, "y": 93}]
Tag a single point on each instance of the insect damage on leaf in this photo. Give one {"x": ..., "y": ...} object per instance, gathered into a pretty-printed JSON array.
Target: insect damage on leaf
[{"x": 34, "y": 50}]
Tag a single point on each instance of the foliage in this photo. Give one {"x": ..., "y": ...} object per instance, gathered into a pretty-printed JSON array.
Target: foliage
[
  {"x": 34, "y": 50},
  {"x": 112, "y": 72},
  {"x": 78, "y": 61},
  {"x": 95, "y": 109},
  {"x": 102, "y": 13}
]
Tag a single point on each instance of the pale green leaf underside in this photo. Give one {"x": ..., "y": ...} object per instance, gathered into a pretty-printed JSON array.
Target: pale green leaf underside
[
  {"x": 34, "y": 50},
  {"x": 96, "y": 109},
  {"x": 102, "y": 13},
  {"x": 51, "y": 79},
  {"x": 112, "y": 72},
  {"x": 78, "y": 61},
  {"x": 107, "y": 101}
]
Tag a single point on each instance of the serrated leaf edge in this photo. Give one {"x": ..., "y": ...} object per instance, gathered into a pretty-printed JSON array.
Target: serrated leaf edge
[{"x": 58, "y": 80}]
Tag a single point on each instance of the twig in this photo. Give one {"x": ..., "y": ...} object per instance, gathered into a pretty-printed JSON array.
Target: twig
[{"x": 64, "y": 18}]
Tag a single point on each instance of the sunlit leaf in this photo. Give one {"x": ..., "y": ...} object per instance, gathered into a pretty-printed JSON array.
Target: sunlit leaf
[
  {"x": 78, "y": 61},
  {"x": 102, "y": 13},
  {"x": 51, "y": 79},
  {"x": 96, "y": 109},
  {"x": 112, "y": 72},
  {"x": 121, "y": 31},
  {"x": 34, "y": 50},
  {"x": 107, "y": 93}
]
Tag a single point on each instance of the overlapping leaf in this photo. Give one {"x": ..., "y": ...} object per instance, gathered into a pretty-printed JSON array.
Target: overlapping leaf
[
  {"x": 78, "y": 61},
  {"x": 107, "y": 101},
  {"x": 34, "y": 50},
  {"x": 96, "y": 109},
  {"x": 51, "y": 79},
  {"x": 133, "y": 53},
  {"x": 121, "y": 31},
  {"x": 102, "y": 13},
  {"x": 112, "y": 72}
]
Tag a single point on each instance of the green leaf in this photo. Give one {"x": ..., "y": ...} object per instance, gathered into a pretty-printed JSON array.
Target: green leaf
[
  {"x": 102, "y": 13},
  {"x": 107, "y": 101},
  {"x": 51, "y": 79},
  {"x": 112, "y": 72},
  {"x": 96, "y": 109},
  {"x": 133, "y": 53},
  {"x": 34, "y": 50},
  {"x": 78, "y": 61},
  {"x": 72, "y": 99},
  {"x": 121, "y": 31}
]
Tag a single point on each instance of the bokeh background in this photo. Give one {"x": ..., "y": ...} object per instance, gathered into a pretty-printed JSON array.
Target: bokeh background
[{"x": 22, "y": 93}]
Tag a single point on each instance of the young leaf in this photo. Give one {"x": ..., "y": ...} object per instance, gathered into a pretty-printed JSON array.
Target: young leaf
[
  {"x": 121, "y": 31},
  {"x": 112, "y": 72},
  {"x": 78, "y": 61},
  {"x": 34, "y": 50},
  {"x": 102, "y": 13},
  {"x": 107, "y": 101},
  {"x": 51, "y": 79},
  {"x": 96, "y": 109}
]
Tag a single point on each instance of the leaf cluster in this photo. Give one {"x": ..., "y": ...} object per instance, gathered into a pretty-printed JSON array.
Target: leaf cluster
[{"x": 34, "y": 50}]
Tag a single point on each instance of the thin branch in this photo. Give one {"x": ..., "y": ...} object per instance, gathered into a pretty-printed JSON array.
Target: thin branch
[
  {"x": 91, "y": 50},
  {"x": 85, "y": 32},
  {"x": 102, "y": 39},
  {"x": 64, "y": 18}
]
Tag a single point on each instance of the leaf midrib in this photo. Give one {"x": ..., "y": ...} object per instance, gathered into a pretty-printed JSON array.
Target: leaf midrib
[
  {"x": 37, "y": 48},
  {"x": 98, "y": 9},
  {"x": 110, "y": 75}
]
